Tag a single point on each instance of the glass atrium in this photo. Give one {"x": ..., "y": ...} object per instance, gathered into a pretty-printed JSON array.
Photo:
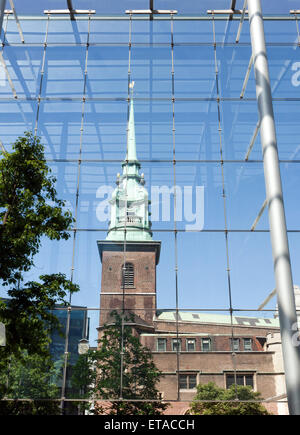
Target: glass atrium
[{"x": 67, "y": 76}]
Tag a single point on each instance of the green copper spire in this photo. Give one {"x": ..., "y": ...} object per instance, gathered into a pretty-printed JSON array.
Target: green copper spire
[
  {"x": 129, "y": 202},
  {"x": 131, "y": 145}
]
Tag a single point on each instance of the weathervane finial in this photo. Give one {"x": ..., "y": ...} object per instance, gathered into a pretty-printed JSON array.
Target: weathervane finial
[{"x": 131, "y": 86}]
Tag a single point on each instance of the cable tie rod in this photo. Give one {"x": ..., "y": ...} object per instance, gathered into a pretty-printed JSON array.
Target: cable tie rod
[
  {"x": 69, "y": 11},
  {"x": 247, "y": 77},
  {"x": 259, "y": 215},
  {"x": 253, "y": 139},
  {"x": 226, "y": 11},
  {"x": 149, "y": 11}
]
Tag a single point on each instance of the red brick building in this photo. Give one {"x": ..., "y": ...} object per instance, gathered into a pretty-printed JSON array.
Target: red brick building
[{"x": 188, "y": 347}]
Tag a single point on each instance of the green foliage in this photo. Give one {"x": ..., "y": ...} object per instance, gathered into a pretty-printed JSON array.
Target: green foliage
[
  {"x": 97, "y": 374},
  {"x": 28, "y": 317},
  {"x": 29, "y": 321},
  {"x": 24, "y": 407},
  {"x": 33, "y": 377},
  {"x": 29, "y": 211},
  {"x": 29, "y": 207},
  {"x": 232, "y": 401}
]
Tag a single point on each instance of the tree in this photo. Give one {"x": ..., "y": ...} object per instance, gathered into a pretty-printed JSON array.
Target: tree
[
  {"x": 28, "y": 314},
  {"x": 98, "y": 374},
  {"x": 29, "y": 210},
  {"x": 233, "y": 401},
  {"x": 33, "y": 377},
  {"x": 29, "y": 207}
]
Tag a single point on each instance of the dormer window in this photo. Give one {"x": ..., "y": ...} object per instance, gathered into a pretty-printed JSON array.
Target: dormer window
[{"x": 128, "y": 275}]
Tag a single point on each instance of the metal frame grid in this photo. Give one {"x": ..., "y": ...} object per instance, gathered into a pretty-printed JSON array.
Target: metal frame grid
[{"x": 284, "y": 281}]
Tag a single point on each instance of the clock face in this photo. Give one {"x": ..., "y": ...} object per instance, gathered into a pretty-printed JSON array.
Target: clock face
[{"x": 83, "y": 348}]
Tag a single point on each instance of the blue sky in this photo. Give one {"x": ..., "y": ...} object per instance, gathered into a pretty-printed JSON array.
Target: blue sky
[
  {"x": 201, "y": 255},
  {"x": 118, "y": 6}
]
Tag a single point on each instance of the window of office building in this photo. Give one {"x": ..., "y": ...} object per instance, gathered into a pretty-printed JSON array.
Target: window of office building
[
  {"x": 187, "y": 381},
  {"x": 235, "y": 344},
  {"x": 244, "y": 379},
  {"x": 161, "y": 344},
  {"x": 247, "y": 344},
  {"x": 206, "y": 344},
  {"x": 190, "y": 345},
  {"x": 176, "y": 345}
]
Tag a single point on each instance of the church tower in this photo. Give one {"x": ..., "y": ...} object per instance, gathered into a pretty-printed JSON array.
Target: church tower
[{"x": 129, "y": 255}]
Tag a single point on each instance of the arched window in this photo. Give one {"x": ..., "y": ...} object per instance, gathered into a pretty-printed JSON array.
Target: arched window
[{"x": 127, "y": 275}]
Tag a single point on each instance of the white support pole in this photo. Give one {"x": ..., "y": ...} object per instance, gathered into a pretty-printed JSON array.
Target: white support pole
[{"x": 278, "y": 233}]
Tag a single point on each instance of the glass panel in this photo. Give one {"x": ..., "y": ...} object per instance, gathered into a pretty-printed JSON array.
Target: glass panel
[
  {"x": 193, "y": 32},
  {"x": 206, "y": 345},
  {"x": 240, "y": 379},
  {"x": 64, "y": 72},
  {"x": 191, "y": 345},
  {"x": 107, "y": 32},
  {"x": 16, "y": 118},
  {"x": 233, "y": 64},
  {"x": 107, "y": 72},
  {"x": 104, "y": 131},
  {"x": 247, "y": 344},
  {"x": 151, "y": 72},
  {"x": 288, "y": 30},
  {"x": 235, "y": 344},
  {"x": 249, "y": 380},
  {"x": 203, "y": 266},
  {"x": 59, "y": 124},
  {"x": 66, "y": 31},
  {"x": 229, "y": 380},
  {"x": 183, "y": 382},
  {"x": 194, "y": 72},
  {"x": 192, "y": 381},
  {"x": 161, "y": 344},
  {"x": 176, "y": 345},
  {"x": 24, "y": 69},
  {"x": 251, "y": 268},
  {"x": 33, "y": 30}
]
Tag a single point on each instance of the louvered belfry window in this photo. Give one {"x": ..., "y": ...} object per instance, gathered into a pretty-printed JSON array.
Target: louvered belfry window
[{"x": 128, "y": 275}]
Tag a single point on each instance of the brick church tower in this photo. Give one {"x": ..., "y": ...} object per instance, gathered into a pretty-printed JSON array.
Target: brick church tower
[{"x": 129, "y": 255}]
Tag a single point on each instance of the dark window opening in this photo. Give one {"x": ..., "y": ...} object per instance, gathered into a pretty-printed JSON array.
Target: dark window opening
[
  {"x": 246, "y": 380},
  {"x": 190, "y": 345},
  {"x": 187, "y": 382},
  {"x": 161, "y": 344},
  {"x": 128, "y": 275},
  {"x": 206, "y": 344},
  {"x": 247, "y": 344}
]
